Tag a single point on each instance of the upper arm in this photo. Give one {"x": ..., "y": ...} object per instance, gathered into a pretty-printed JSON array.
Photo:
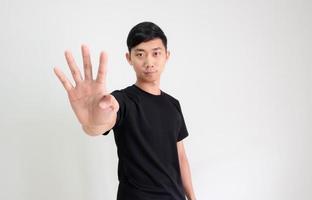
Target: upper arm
[{"x": 183, "y": 132}]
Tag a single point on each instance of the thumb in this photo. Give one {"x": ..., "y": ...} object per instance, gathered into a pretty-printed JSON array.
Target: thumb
[{"x": 106, "y": 102}]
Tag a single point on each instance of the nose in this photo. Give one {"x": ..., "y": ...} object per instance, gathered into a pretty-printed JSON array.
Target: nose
[{"x": 149, "y": 62}]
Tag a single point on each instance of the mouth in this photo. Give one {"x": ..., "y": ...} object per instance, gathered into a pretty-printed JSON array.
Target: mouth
[{"x": 148, "y": 73}]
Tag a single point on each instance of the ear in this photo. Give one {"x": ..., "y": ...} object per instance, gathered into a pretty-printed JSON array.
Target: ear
[
  {"x": 128, "y": 56},
  {"x": 168, "y": 55}
]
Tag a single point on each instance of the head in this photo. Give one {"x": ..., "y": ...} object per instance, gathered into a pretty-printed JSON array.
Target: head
[{"x": 147, "y": 51}]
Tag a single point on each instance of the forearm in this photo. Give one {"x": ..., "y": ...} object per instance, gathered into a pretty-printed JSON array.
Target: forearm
[{"x": 186, "y": 178}]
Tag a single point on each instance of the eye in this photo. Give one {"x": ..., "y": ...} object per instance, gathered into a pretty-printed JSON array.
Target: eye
[
  {"x": 157, "y": 53},
  {"x": 139, "y": 54}
]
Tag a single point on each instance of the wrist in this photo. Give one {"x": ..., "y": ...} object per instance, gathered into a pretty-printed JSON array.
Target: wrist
[{"x": 94, "y": 130}]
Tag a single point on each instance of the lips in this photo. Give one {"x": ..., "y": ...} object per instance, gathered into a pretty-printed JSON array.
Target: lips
[{"x": 149, "y": 72}]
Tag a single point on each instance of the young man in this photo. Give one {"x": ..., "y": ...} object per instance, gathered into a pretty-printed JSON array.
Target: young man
[{"x": 148, "y": 123}]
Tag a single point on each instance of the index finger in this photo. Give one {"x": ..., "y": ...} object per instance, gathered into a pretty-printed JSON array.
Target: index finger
[{"x": 101, "y": 76}]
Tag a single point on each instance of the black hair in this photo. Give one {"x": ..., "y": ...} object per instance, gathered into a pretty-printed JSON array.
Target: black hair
[{"x": 144, "y": 32}]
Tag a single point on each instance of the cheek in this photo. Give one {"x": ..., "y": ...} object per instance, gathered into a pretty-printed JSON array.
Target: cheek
[
  {"x": 137, "y": 66},
  {"x": 162, "y": 64},
  {"x": 138, "y": 62}
]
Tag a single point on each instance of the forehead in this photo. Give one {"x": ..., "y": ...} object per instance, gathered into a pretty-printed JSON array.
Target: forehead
[{"x": 152, "y": 45}]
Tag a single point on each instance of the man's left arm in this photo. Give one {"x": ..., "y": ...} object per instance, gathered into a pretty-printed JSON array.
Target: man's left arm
[{"x": 185, "y": 172}]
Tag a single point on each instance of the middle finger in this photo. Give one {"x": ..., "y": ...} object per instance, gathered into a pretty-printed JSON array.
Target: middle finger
[{"x": 87, "y": 66}]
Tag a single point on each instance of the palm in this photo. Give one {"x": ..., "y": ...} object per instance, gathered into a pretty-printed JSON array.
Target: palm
[
  {"x": 88, "y": 94},
  {"x": 84, "y": 91}
]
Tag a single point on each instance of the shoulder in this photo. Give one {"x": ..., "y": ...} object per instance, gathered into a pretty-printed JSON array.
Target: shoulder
[
  {"x": 172, "y": 99},
  {"x": 125, "y": 94}
]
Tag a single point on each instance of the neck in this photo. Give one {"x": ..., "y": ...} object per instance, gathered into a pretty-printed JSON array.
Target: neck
[{"x": 150, "y": 87}]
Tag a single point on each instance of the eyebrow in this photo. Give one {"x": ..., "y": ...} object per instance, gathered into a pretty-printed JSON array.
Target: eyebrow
[{"x": 154, "y": 49}]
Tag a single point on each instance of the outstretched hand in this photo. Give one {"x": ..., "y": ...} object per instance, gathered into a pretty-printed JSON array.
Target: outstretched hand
[{"x": 90, "y": 101}]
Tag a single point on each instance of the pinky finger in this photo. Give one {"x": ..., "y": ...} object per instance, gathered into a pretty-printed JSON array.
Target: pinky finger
[{"x": 61, "y": 76}]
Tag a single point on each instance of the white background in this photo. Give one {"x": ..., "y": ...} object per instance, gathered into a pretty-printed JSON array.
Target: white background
[{"x": 241, "y": 70}]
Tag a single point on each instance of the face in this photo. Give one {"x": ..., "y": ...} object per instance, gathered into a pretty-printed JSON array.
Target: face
[{"x": 148, "y": 60}]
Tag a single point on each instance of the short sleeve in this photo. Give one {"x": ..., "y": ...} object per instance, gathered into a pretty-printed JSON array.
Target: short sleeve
[
  {"x": 119, "y": 96},
  {"x": 183, "y": 133}
]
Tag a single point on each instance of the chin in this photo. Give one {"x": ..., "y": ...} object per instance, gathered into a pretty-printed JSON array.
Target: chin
[{"x": 149, "y": 79}]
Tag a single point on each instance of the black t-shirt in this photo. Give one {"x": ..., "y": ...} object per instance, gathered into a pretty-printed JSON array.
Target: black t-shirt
[{"x": 146, "y": 133}]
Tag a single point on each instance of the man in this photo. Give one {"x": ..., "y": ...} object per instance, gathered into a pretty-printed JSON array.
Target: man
[{"x": 148, "y": 123}]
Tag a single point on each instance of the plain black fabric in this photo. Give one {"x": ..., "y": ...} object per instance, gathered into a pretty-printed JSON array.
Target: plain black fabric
[{"x": 146, "y": 133}]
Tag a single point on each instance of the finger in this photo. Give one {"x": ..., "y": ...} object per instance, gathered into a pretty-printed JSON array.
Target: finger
[
  {"x": 101, "y": 76},
  {"x": 106, "y": 102},
  {"x": 86, "y": 62},
  {"x": 73, "y": 67},
  {"x": 61, "y": 76}
]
